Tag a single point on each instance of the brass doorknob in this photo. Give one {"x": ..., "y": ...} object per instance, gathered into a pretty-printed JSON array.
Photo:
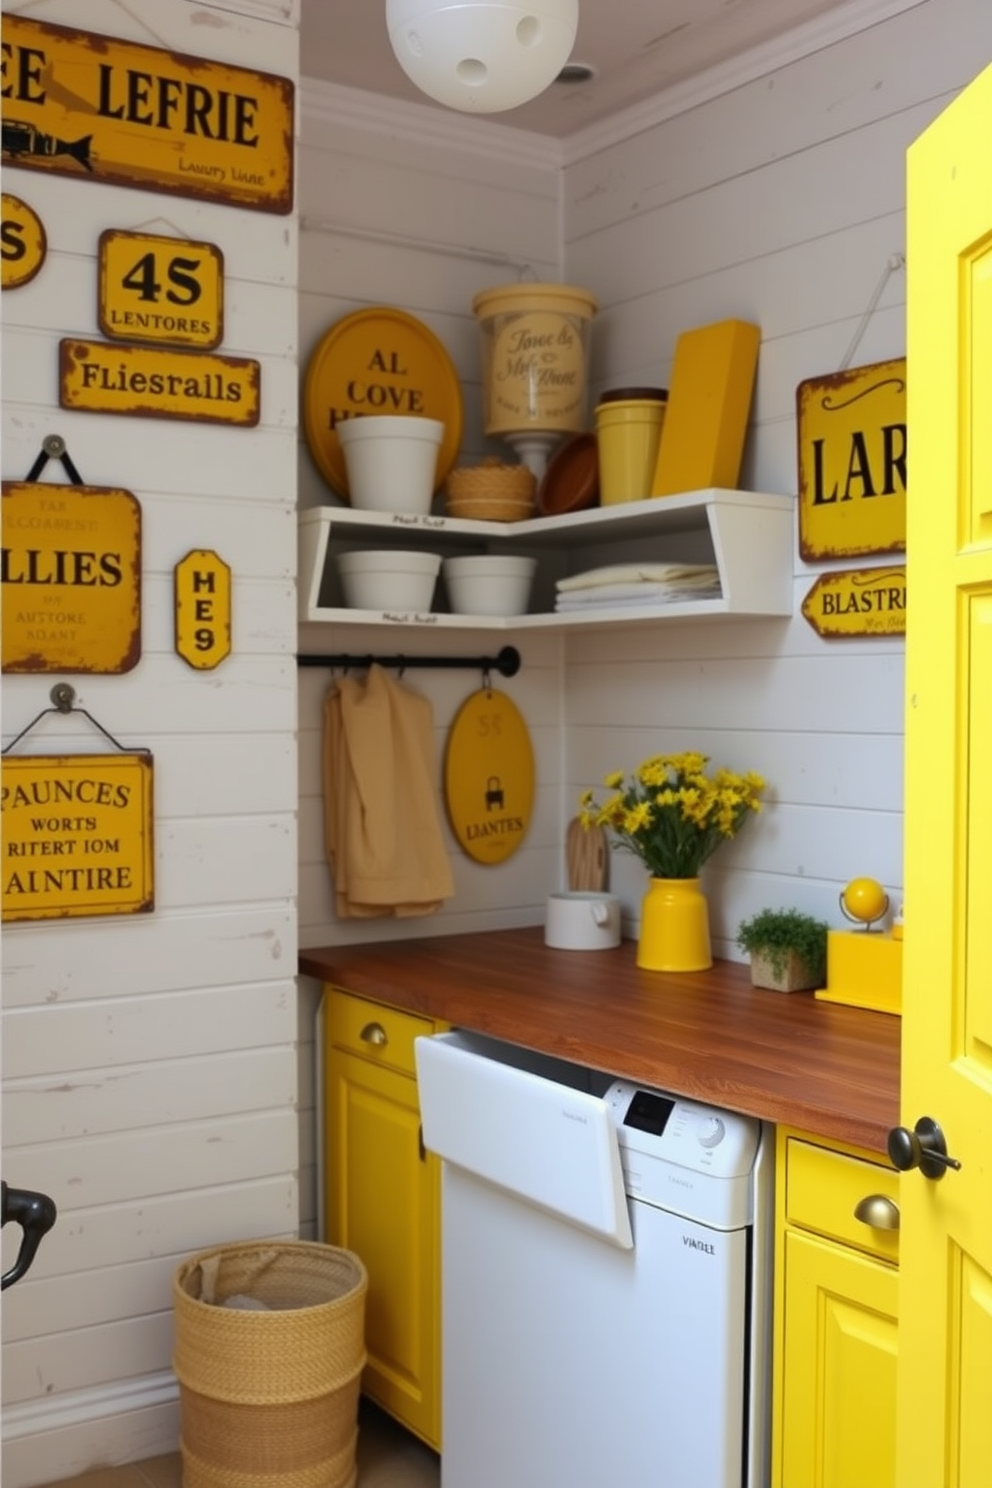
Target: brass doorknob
[{"x": 923, "y": 1147}]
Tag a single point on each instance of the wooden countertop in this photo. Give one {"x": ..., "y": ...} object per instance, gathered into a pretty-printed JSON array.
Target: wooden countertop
[{"x": 709, "y": 1035}]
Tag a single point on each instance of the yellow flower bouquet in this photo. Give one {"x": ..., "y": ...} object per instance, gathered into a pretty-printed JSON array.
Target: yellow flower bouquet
[{"x": 672, "y": 814}]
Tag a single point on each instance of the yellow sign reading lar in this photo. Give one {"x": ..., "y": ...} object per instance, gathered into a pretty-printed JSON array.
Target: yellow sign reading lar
[
  {"x": 489, "y": 777},
  {"x": 203, "y": 609},
  {"x": 23, "y": 244},
  {"x": 77, "y": 835},
  {"x": 71, "y": 578},
  {"x": 859, "y": 602},
  {"x": 98, "y": 377},
  {"x": 100, "y": 109},
  {"x": 852, "y": 462},
  {"x": 161, "y": 289}
]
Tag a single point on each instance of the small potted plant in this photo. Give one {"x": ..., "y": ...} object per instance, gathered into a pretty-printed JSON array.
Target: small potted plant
[{"x": 788, "y": 949}]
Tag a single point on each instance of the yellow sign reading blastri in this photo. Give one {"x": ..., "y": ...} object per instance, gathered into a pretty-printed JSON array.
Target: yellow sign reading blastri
[
  {"x": 203, "y": 609},
  {"x": 77, "y": 835},
  {"x": 859, "y": 602},
  {"x": 489, "y": 777},
  {"x": 23, "y": 244},
  {"x": 71, "y": 578},
  {"x": 161, "y": 289},
  {"x": 100, "y": 109},
  {"x": 852, "y": 462},
  {"x": 100, "y": 377}
]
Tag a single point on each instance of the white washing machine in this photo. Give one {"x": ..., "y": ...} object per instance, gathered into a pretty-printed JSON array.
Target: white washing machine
[{"x": 605, "y": 1277}]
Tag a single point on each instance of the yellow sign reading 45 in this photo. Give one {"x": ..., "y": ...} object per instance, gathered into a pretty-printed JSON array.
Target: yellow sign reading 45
[{"x": 162, "y": 290}]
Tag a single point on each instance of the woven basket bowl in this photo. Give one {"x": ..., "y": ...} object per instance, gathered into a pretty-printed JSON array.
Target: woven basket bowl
[{"x": 491, "y": 492}]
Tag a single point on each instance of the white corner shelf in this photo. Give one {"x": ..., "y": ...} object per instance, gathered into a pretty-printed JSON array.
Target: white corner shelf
[{"x": 748, "y": 535}]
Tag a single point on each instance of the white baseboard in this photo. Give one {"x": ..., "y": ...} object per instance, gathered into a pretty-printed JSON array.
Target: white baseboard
[{"x": 44, "y": 1441}]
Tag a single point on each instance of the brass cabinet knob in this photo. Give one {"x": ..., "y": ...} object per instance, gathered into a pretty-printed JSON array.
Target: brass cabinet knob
[
  {"x": 374, "y": 1033},
  {"x": 878, "y": 1211}
]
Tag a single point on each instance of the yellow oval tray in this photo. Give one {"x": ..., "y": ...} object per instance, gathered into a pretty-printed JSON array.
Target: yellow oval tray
[{"x": 379, "y": 361}]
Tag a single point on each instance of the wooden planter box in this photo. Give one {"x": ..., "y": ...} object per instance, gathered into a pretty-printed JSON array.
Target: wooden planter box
[{"x": 794, "y": 977}]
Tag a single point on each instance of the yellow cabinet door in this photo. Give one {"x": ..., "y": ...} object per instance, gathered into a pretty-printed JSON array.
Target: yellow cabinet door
[
  {"x": 383, "y": 1202},
  {"x": 839, "y": 1367}
]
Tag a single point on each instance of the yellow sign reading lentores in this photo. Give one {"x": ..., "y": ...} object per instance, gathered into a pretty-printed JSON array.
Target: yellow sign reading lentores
[
  {"x": 101, "y": 378},
  {"x": 161, "y": 289},
  {"x": 100, "y": 109},
  {"x": 77, "y": 835}
]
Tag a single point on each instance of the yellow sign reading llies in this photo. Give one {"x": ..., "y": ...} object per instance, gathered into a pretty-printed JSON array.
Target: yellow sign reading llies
[
  {"x": 100, "y": 109},
  {"x": 77, "y": 835},
  {"x": 98, "y": 377}
]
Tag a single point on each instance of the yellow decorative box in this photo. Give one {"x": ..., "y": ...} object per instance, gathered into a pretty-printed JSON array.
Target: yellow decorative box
[{"x": 864, "y": 969}]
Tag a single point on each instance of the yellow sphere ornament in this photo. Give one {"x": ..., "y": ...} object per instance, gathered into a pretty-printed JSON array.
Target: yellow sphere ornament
[{"x": 864, "y": 901}]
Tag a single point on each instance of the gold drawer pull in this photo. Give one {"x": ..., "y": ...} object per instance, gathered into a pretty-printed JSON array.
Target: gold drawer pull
[
  {"x": 374, "y": 1033},
  {"x": 878, "y": 1211}
]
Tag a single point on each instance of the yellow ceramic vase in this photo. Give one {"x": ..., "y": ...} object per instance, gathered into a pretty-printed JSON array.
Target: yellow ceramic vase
[{"x": 675, "y": 927}]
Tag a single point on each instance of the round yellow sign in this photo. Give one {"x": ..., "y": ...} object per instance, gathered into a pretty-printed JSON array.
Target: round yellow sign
[
  {"x": 489, "y": 777},
  {"x": 23, "y": 244}
]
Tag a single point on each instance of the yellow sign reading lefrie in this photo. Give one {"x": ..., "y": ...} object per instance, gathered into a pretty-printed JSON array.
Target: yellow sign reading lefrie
[
  {"x": 99, "y": 109},
  {"x": 98, "y": 377},
  {"x": 166, "y": 290},
  {"x": 77, "y": 835},
  {"x": 70, "y": 576}
]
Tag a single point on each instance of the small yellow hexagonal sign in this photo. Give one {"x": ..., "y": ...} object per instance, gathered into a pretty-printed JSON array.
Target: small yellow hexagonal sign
[{"x": 203, "y": 609}]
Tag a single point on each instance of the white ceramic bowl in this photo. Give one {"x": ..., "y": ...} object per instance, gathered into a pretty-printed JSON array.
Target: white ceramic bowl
[
  {"x": 388, "y": 579},
  {"x": 391, "y": 461},
  {"x": 489, "y": 584}
]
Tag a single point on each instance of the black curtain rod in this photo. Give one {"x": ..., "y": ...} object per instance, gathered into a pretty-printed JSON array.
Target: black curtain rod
[{"x": 507, "y": 663}]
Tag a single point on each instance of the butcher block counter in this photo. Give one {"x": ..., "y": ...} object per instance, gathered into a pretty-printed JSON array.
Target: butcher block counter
[{"x": 787, "y": 1058}]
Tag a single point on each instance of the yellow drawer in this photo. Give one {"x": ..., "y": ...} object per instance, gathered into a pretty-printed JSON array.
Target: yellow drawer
[
  {"x": 372, "y": 1030},
  {"x": 823, "y": 1188}
]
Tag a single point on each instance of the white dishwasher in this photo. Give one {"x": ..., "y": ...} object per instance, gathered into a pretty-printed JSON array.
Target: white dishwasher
[{"x": 605, "y": 1276}]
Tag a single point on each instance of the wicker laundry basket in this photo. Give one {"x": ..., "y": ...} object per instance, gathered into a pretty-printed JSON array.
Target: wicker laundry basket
[{"x": 269, "y": 1396}]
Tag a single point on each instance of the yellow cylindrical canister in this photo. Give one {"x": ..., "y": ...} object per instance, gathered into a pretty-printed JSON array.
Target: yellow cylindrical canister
[{"x": 628, "y": 433}]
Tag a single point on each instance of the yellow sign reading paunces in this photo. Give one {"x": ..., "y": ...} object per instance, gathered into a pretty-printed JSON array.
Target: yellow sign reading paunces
[
  {"x": 77, "y": 835},
  {"x": 71, "y": 578},
  {"x": 489, "y": 776},
  {"x": 100, "y": 109},
  {"x": 165, "y": 290},
  {"x": 98, "y": 377},
  {"x": 859, "y": 602}
]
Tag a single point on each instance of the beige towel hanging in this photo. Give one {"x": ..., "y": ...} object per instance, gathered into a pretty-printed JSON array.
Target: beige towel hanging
[{"x": 382, "y": 821}]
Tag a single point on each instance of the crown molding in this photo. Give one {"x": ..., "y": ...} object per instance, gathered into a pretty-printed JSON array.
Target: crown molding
[{"x": 804, "y": 41}]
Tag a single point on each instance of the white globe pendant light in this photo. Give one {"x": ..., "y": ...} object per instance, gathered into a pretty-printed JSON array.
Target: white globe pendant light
[{"x": 482, "y": 57}]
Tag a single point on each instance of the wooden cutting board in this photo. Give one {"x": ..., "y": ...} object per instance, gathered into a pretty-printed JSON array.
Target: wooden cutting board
[{"x": 586, "y": 857}]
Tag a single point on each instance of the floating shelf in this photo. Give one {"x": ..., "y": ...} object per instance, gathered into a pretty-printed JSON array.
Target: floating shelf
[{"x": 748, "y": 535}]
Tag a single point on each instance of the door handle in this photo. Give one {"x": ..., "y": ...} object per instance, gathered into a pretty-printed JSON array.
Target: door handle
[
  {"x": 35, "y": 1213},
  {"x": 923, "y": 1147},
  {"x": 878, "y": 1211}
]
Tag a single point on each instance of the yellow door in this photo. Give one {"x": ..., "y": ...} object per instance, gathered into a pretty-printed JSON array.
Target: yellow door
[{"x": 945, "y": 1294}]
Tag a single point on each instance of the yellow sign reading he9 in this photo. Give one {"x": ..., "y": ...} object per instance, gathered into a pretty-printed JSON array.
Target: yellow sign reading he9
[
  {"x": 489, "y": 777},
  {"x": 161, "y": 289},
  {"x": 203, "y": 609},
  {"x": 77, "y": 835}
]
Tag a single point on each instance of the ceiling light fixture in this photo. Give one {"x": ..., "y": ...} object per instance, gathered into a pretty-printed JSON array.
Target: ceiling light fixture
[{"x": 484, "y": 57}]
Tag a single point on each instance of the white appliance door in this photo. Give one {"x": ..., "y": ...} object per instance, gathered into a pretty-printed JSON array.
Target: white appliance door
[{"x": 511, "y": 1118}]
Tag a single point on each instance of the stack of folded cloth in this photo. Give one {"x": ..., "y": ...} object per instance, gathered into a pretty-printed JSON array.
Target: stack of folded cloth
[{"x": 633, "y": 584}]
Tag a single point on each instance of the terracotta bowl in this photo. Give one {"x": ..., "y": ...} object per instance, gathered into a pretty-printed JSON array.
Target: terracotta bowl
[{"x": 571, "y": 481}]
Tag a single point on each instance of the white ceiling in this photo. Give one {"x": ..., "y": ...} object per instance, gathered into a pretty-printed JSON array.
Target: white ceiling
[{"x": 638, "y": 48}]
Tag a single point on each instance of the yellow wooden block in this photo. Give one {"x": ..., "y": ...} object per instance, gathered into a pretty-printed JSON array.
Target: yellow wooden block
[
  {"x": 864, "y": 969},
  {"x": 709, "y": 400}
]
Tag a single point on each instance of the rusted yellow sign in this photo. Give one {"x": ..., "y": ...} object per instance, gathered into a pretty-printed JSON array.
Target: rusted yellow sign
[
  {"x": 79, "y": 104},
  {"x": 98, "y": 377},
  {"x": 203, "y": 609},
  {"x": 71, "y": 578},
  {"x": 161, "y": 289},
  {"x": 852, "y": 462},
  {"x": 23, "y": 244},
  {"x": 77, "y": 835},
  {"x": 858, "y": 602}
]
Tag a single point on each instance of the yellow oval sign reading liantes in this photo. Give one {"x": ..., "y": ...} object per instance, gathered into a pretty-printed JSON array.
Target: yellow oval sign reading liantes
[{"x": 489, "y": 777}]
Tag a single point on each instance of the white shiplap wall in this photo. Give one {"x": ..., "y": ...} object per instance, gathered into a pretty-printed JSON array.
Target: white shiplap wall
[{"x": 149, "y": 1062}]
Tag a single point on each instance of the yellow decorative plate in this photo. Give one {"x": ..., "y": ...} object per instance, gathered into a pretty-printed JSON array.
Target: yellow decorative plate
[
  {"x": 489, "y": 776},
  {"x": 374, "y": 362}
]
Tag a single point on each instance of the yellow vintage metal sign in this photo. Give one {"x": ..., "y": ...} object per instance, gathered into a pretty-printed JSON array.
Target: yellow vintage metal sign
[
  {"x": 71, "y": 578},
  {"x": 23, "y": 244},
  {"x": 161, "y": 289},
  {"x": 203, "y": 609},
  {"x": 98, "y": 377},
  {"x": 97, "y": 108},
  {"x": 859, "y": 602},
  {"x": 852, "y": 462},
  {"x": 77, "y": 835},
  {"x": 489, "y": 777}
]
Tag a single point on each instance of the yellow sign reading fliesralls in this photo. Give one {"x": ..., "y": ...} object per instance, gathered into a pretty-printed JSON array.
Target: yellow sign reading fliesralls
[{"x": 489, "y": 776}]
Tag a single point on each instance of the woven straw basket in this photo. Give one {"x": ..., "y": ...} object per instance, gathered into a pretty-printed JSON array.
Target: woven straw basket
[
  {"x": 269, "y": 1399},
  {"x": 491, "y": 492}
]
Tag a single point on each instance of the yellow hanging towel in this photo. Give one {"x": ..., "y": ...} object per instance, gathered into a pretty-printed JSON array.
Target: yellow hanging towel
[{"x": 382, "y": 822}]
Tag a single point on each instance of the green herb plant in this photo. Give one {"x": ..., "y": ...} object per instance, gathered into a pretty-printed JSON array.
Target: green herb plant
[{"x": 775, "y": 933}]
